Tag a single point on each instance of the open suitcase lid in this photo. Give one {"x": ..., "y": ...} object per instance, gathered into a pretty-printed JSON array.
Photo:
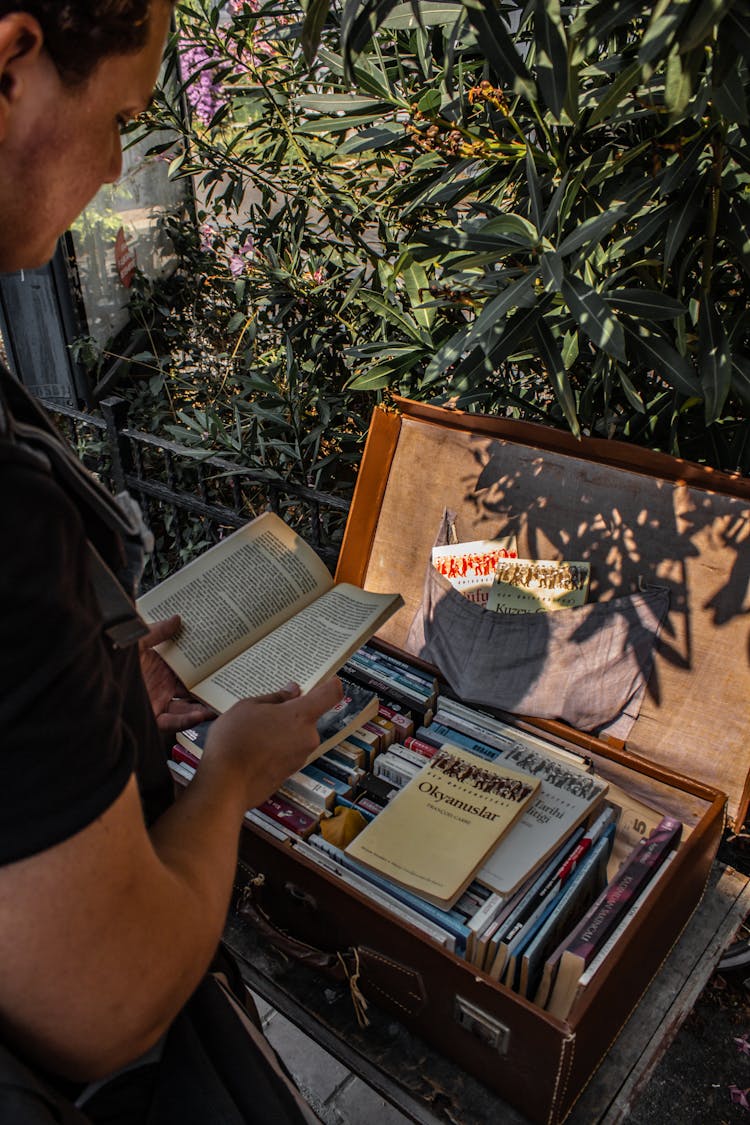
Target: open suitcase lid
[{"x": 635, "y": 515}]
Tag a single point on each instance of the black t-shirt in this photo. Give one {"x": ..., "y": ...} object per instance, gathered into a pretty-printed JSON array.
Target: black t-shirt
[{"x": 75, "y": 720}]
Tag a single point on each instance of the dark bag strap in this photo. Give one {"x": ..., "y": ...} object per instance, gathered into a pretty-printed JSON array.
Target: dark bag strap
[
  {"x": 26, "y": 1100},
  {"x": 39, "y": 443}
]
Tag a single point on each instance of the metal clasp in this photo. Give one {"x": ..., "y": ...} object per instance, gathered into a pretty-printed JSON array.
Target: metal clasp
[{"x": 481, "y": 1024}]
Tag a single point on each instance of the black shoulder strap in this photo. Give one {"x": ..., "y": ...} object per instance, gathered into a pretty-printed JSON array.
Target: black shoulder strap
[
  {"x": 26, "y": 1100},
  {"x": 37, "y": 440}
]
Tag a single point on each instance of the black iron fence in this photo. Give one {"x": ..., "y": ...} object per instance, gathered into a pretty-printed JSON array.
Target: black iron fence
[{"x": 192, "y": 499}]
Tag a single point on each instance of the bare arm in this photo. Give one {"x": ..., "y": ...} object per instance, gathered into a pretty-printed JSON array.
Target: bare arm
[{"x": 104, "y": 936}]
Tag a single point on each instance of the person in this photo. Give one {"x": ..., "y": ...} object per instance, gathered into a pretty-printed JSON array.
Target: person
[{"x": 112, "y": 896}]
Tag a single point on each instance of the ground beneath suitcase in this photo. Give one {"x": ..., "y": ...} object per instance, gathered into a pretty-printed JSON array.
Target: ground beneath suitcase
[{"x": 704, "y": 1078}]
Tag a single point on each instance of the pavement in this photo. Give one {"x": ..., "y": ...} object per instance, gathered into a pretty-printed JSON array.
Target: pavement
[{"x": 337, "y": 1096}]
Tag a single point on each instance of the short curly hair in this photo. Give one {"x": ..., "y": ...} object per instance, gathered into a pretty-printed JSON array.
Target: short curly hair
[{"x": 78, "y": 34}]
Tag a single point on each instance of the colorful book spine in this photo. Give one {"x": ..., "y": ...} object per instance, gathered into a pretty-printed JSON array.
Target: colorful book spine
[
  {"x": 402, "y": 677},
  {"x": 615, "y": 900},
  {"x": 408, "y": 702},
  {"x": 447, "y": 733},
  {"x": 403, "y": 723},
  {"x": 580, "y": 948}
]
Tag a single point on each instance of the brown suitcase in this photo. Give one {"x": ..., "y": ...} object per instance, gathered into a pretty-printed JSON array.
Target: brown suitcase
[{"x": 635, "y": 513}]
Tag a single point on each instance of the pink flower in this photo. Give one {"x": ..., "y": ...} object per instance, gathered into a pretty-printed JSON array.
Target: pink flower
[
  {"x": 739, "y": 1097},
  {"x": 203, "y": 92}
]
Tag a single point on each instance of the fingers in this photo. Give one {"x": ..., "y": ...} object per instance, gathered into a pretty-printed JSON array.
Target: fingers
[
  {"x": 161, "y": 631},
  {"x": 291, "y": 691},
  {"x": 323, "y": 697},
  {"x": 183, "y": 713}
]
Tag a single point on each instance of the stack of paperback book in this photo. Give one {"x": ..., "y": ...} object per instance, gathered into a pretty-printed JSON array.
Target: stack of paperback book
[{"x": 492, "y": 841}]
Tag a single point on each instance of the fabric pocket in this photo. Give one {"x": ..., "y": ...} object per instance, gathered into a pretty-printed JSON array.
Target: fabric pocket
[{"x": 587, "y": 666}]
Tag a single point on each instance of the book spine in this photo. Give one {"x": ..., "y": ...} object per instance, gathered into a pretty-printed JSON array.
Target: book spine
[
  {"x": 348, "y": 755},
  {"x": 430, "y": 682},
  {"x": 426, "y": 749},
  {"x": 412, "y": 756},
  {"x": 614, "y": 902},
  {"x": 458, "y": 738},
  {"x": 337, "y": 768},
  {"x": 399, "y": 675},
  {"x": 394, "y": 769},
  {"x": 342, "y": 788},
  {"x": 410, "y": 704},
  {"x": 317, "y": 794},
  {"x": 388, "y": 681},
  {"x": 182, "y": 754},
  {"x": 591, "y": 835},
  {"x": 388, "y": 728},
  {"x": 403, "y": 723},
  {"x": 487, "y": 724}
]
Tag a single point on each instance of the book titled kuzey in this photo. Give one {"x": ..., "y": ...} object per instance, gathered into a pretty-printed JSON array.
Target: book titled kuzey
[{"x": 435, "y": 833}]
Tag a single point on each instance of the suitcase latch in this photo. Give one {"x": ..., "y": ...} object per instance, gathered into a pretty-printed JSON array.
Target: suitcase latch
[{"x": 481, "y": 1024}]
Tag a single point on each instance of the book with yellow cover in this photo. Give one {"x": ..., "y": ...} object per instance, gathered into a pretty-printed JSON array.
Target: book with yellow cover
[
  {"x": 538, "y": 586},
  {"x": 434, "y": 835}
]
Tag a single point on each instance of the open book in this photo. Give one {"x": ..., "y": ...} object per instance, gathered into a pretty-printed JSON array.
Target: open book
[{"x": 260, "y": 610}]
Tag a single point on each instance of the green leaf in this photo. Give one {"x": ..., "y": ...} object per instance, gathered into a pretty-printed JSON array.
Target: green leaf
[
  {"x": 552, "y": 358},
  {"x": 613, "y": 95},
  {"x": 553, "y": 271},
  {"x": 489, "y": 323},
  {"x": 678, "y": 84},
  {"x": 395, "y": 316},
  {"x": 645, "y": 304},
  {"x": 730, "y": 97},
  {"x": 315, "y": 18},
  {"x": 682, "y": 219},
  {"x": 551, "y": 54},
  {"x": 666, "y": 19},
  {"x": 741, "y": 377},
  {"x": 593, "y": 230},
  {"x": 430, "y": 15},
  {"x": 735, "y": 22},
  {"x": 341, "y": 103},
  {"x": 594, "y": 316},
  {"x": 707, "y": 13},
  {"x": 497, "y": 46},
  {"x": 555, "y": 203},
  {"x": 535, "y": 192},
  {"x": 714, "y": 359},
  {"x": 631, "y": 394},
  {"x": 738, "y": 226},
  {"x": 659, "y": 355},
  {"x": 322, "y": 125},
  {"x": 374, "y": 139},
  {"x": 417, "y": 286}
]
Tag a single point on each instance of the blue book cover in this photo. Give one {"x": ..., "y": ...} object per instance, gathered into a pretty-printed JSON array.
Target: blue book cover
[
  {"x": 465, "y": 741},
  {"x": 342, "y": 787},
  {"x": 450, "y": 920}
]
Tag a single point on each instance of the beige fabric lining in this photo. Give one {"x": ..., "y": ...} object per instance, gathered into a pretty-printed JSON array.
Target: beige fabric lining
[{"x": 630, "y": 527}]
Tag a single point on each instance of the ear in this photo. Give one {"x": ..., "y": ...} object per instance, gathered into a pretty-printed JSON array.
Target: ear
[{"x": 21, "y": 43}]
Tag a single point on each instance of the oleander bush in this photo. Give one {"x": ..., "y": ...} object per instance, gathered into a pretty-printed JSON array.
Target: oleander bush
[{"x": 536, "y": 210}]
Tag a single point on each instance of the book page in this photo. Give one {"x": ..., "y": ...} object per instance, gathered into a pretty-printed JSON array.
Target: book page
[
  {"x": 235, "y": 593},
  {"x": 307, "y": 648}
]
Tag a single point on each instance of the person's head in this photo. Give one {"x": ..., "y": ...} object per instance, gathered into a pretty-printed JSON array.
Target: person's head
[{"x": 71, "y": 73}]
